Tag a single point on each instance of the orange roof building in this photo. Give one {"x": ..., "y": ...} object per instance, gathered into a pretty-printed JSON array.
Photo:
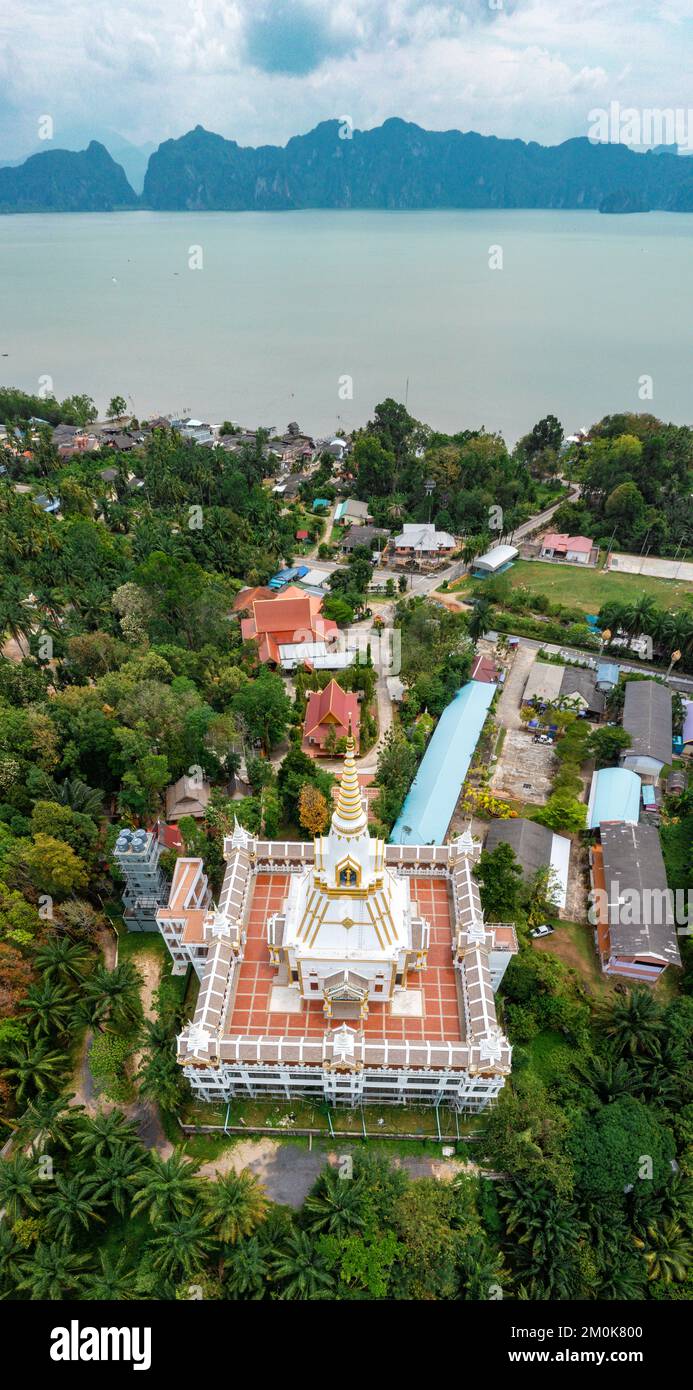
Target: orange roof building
[
  {"x": 279, "y": 620},
  {"x": 327, "y": 710}
]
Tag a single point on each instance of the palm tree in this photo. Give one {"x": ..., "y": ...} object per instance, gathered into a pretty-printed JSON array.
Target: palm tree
[
  {"x": 301, "y": 1269},
  {"x": 548, "y": 1233},
  {"x": 34, "y": 1067},
  {"x": 623, "y": 1280},
  {"x": 183, "y": 1245},
  {"x": 113, "y": 1280},
  {"x": 481, "y": 1267},
  {"x": 160, "y": 1080},
  {"x": 677, "y": 631},
  {"x": 80, "y": 797},
  {"x": 612, "y": 616},
  {"x": 335, "y": 1206},
  {"x": 114, "y": 1176},
  {"x": 16, "y": 617},
  {"x": 105, "y": 1134},
  {"x": 167, "y": 1189},
  {"x": 52, "y": 1272},
  {"x": 18, "y": 1186},
  {"x": 48, "y": 1008},
  {"x": 473, "y": 546},
  {"x": 71, "y": 1205},
  {"x": 113, "y": 995},
  {"x": 49, "y": 1121},
  {"x": 609, "y": 1077},
  {"x": 667, "y": 1250},
  {"x": 640, "y": 616},
  {"x": 480, "y": 619},
  {"x": 247, "y": 1270},
  {"x": 672, "y": 1202},
  {"x": 633, "y": 1024},
  {"x": 62, "y": 960},
  {"x": 11, "y": 1254},
  {"x": 237, "y": 1204}
]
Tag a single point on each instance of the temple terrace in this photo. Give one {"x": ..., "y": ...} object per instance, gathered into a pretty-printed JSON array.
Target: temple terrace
[{"x": 346, "y": 970}]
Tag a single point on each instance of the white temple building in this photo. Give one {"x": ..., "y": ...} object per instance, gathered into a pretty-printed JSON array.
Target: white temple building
[{"x": 346, "y": 970}]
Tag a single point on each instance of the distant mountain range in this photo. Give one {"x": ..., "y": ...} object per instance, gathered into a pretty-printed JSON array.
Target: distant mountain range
[
  {"x": 395, "y": 166},
  {"x": 66, "y": 181}
]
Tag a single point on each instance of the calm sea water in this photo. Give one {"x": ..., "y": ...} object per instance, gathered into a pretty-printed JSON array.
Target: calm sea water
[{"x": 286, "y": 306}]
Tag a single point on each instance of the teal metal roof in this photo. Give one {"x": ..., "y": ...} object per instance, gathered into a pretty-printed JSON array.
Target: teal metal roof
[
  {"x": 427, "y": 811},
  {"x": 615, "y": 796}
]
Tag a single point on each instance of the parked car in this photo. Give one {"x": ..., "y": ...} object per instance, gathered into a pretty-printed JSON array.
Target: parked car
[
  {"x": 542, "y": 738},
  {"x": 543, "y": 930}
]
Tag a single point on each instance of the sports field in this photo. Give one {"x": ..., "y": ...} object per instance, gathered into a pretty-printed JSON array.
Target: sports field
[{"x": 590, "y": 588}]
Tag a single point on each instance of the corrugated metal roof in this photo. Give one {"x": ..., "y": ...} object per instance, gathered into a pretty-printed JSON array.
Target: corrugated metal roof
[
  {"x": 428, "y": 809},
  {"x": 647, "y": 717},
  {"x": 614, "y": 796}
]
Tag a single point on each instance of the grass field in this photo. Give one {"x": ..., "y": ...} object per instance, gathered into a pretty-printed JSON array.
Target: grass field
[
  {"x": 589, "y": 588},
  {"x": 573, "y": 944}
]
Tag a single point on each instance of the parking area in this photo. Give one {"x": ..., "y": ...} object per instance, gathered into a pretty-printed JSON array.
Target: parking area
[{"x": 525, "y": 769}]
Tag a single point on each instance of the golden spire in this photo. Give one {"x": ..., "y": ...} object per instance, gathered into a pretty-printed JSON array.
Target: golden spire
[{"x": 349, "y": 817}]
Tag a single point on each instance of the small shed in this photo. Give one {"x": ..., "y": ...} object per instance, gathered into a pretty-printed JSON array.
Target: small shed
[{"x": 495, "y": 561}]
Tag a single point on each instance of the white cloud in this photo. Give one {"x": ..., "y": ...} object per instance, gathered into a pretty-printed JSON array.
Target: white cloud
[{"x": 262, "y": 70}]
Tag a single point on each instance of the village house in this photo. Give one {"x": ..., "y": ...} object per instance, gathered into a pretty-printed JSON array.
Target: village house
[
  {"x": 484, "y": 670},
  {"x": 330, "y": 714},
  {"x": 189, "y": 796},
  {"x": 293, "y": 449},
  {"x": 565, "y": 687},
  {"x": 535, "y": 847},
  {"x": 574, "y": 550},
  {"x": 361, "y": 536},
  {"x": 71, "y": 439},
  {"x": 647, "y": 718},
  {"x": 635, "y": 927},
  {"x": 422, "y": 543},
  {"x": 352, "y": 511},
  {"x": 338, "y": 448},
  {"x": 197, "y": 431}
]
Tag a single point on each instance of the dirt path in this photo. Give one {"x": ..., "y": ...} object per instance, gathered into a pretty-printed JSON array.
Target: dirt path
[
  {"x": 143, "y": 1113},
  {"x": 327, "y": 538},
  {"x": 150, "y": 967}
]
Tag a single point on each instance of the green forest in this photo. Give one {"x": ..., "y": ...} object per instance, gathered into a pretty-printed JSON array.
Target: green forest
[{"x": 124, "y": 666}]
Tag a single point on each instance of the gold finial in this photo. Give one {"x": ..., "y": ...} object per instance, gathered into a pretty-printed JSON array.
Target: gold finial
[{"x": 349, "y": 808}]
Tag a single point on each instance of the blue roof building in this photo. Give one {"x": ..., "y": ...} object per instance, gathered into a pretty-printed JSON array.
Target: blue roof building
[
  {"x": 607, "y": 676},
  {"x": 614, "y": 796},
  {"x": 286, "y": 576},
  {"x": 427, "y": 811}
]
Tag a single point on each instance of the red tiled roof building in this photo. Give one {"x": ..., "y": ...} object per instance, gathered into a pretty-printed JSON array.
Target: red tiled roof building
[
  {"x": 330, "y": 711},
  {"x": 282, "y": 620}
]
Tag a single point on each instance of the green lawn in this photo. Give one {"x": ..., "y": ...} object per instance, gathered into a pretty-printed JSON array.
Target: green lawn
[
  {"x": 272, "y": 1112},
  {"x": 573, "y": 943},
  {"x": 590, "y": 588}
]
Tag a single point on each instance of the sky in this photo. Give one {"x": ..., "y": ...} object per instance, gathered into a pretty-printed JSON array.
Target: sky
[{"x": 259, "y": 71}]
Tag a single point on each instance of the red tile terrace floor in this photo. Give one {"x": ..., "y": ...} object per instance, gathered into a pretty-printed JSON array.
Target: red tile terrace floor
[{"x": 440, "y": 1019}]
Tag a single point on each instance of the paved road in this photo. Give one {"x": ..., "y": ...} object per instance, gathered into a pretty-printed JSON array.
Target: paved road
[
  {"x": 534, "y": 522},
  {"x": 684, "y": 684}
]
